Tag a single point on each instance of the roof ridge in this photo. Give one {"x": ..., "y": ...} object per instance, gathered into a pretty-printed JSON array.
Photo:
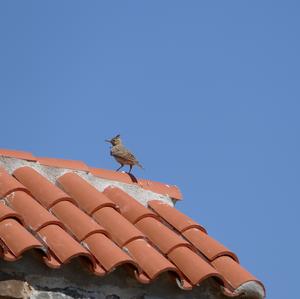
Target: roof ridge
[{"x": 171, "y": 191}]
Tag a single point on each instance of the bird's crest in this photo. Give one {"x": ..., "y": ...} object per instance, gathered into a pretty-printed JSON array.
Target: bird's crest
[{"x": 115, "y": 140}]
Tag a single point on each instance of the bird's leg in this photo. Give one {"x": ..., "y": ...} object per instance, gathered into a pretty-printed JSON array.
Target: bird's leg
[
  {"x": 130, "y": 168},
  {"x": 120, "y": 167}
]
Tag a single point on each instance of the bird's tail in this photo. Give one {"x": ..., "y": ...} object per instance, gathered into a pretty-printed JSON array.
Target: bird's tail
[{"x": 140, "y": 165}]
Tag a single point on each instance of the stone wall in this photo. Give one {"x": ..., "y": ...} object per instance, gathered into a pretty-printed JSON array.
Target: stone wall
[{"x": 31, "y": 278}]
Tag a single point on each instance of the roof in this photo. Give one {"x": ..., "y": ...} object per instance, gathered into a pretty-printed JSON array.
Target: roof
[{"x": 112, "y": 219}]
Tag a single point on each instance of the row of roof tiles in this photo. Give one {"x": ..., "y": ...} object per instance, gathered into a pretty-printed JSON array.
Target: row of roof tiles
[
  {"x": 73, "y": 219},
  {"x": 157, "y": 187}
]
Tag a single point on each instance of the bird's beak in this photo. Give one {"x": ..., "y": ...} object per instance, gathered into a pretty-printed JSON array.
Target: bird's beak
[{"x": 106, "y": 140}]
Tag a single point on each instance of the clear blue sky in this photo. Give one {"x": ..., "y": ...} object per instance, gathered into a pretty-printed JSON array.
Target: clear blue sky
[{"x": 205, "y": 93}]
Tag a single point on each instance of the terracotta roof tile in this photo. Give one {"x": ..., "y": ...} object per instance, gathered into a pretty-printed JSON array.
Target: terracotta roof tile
[
  {"x": 160, "y": 188},
  {"x": 160, "y": 235},
  {"x": 143, "y": 252},
  {"x": 170, "y": 190},
  {"x": 34, "y": 215},
  {"x": 87, "y": 196},
  {"x": 16, "y": 238},
  {"x": 72, "y": 219},
  {"x": 210, "y": 247},
  {"x": 120, "y": 229},
  {"x": 65, "y": 248},
  {"x": 6, "y": 212},
  {"x": 78, "y": 223},
  {"x": 113, "y": 175},
  {"x": 234, "y": 274},
  {"x": 106, "y": 252},
  {"x": 8, "y": 184},
  {"x": 42, "y": 189},
  {"x": 17, "y": 154},
  {"x": 132, "y": 210},
  {"x": 174, "y": 217},
  {"x": 195, "y": 268},
  {"x": 70, "y": 164}
]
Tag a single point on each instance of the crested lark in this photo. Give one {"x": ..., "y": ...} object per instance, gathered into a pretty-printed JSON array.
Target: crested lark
[{"x": 122, "y": 154}]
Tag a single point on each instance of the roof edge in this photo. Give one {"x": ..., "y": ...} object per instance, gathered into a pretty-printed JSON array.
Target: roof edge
[
  {"x": 248, "y": 290},
  {"x": 171, "y": 191}
]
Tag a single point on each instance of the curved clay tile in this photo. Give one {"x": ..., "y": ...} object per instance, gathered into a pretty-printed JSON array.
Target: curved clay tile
[
  {"x": 17, "y": 154},
  {"x": 51, "y": 261},
  {"x": 163, "y": 237},
  {"x": 106, "y": 252},
  {"x": 61, "y": 163},
  {"x": 129, "y": 207},
  {"x": 234, "y": 274},
  {"x": 160, "y": 188},
  {"x": 41, "y": 189},
  {"x": 8, "y": 183},
  {"x": 87, "y": 196},
  {"x": 65, "y": 248},
  {"x": 210, "y": 247},
  {"x": 120, "y": 229},
  {"x": 17, "y": 238},
  {"x": 61, "y": 244},
  {"x": 174, "y": 217},
  {"x": 79, "y": 223},
  {"x": 149, "y": 259},
  {"x": 195, "y": 268},
  {"x": 35, "y": 216},
  {"x": 6, "y": 212}
]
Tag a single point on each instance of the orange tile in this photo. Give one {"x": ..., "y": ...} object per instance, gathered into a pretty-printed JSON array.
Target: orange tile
[
  {"x": 17, "y": 238},
  {"x": 106, "y": 252},
  {"x": 41, "y": 189},
  {"x": 210, "y": 247},
  {"x": 61, "y": 244},
  {"x": 87, "y": 196},
  {"x": 17, "y": 154},
  {"x": 120, "y": 229},
  {"x": 6, "y": 212},
  {"x": 8, "y": 183},
  {"x": 35, "y": 216},
  {"x": 131, "y": 209},
  {"x": 149, "y": 259},
  {"x": 65, "y": 248},
  {"x": 156, "y": 187},
  {"x": 113, "y": 175},
  {"x": 62, "y": 163},
  {"x": 174, "y": 217},
  {"x": 76, "y": 221},
  {"x": 160, "y": 235},
  {"x": 160, "y": 188},
  {"x": 234, "y": 274},
  {"x": 192, "y": 265}
]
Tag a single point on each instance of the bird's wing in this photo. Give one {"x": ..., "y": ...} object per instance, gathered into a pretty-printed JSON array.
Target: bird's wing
[{"x": 123, "y": 153}]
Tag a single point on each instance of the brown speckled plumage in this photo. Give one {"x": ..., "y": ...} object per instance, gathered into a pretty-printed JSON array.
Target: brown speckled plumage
[{"x": 122, "y": 154}]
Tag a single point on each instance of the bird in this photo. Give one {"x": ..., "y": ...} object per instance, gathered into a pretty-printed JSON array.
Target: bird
[{"x": 122, "y": 154}]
